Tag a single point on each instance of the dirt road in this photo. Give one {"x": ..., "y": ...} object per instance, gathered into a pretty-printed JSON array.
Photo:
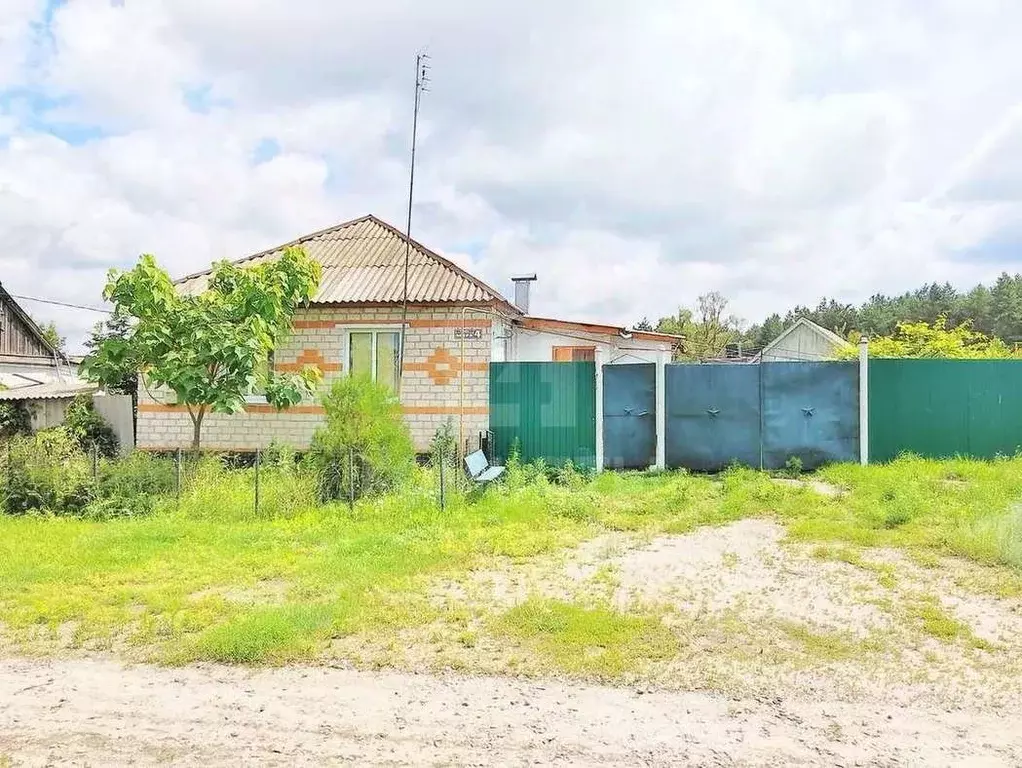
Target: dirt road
[{"x": 89, "y": 712}]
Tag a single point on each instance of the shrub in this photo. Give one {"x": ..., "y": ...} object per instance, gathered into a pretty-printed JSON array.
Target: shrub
[
  {"x": 47, "y": 471},
  {"x": 89, "y": 428},
  {"x": 365, "y": 448},
  {"x": 15, "y": 419},
  {"x": 131, "y": 486},
  {"x": 793, "y": 467}
]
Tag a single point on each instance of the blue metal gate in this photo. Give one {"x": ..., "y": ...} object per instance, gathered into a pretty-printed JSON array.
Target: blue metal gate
[
  {"x": 761, "y": 415},
  {"x": 713, "y": 416},
  {"x": 811, "y": 411},
  {"x": 629, "y": 416}
]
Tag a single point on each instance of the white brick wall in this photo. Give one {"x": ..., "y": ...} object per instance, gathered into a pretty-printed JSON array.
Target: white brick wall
[{"x": 323, "y": 330}]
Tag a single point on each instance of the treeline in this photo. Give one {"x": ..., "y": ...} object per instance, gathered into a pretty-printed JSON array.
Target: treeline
[{"x": 994, "y": 310}]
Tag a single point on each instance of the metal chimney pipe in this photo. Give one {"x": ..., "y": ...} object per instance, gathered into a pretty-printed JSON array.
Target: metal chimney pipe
[{"x": 522, "y": 283}]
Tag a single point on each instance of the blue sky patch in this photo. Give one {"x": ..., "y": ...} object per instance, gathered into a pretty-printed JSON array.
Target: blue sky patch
[{"x": 265, "y": 150}]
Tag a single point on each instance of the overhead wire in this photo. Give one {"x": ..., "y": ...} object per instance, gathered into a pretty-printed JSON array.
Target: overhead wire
[{"x": 56, "y": 303}]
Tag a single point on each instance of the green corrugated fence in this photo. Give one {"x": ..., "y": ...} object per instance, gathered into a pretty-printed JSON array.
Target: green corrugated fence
[
  {"x": 941, "y": 408},
  {"x": 549, "y": 408}
]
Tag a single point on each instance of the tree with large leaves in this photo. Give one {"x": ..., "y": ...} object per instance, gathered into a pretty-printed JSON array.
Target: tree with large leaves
[{"x": 209, "y": 349}]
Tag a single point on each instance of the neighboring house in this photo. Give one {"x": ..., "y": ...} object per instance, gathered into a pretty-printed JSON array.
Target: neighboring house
[
  {"x": 802, "y": 341},
  {"x": 457, "y": 325},
  {"x": 26, "y": 357},
  {"x": 47, "y": 403}
]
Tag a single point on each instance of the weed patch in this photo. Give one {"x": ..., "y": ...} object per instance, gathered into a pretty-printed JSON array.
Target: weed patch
[{"x": 588, "y": 640}]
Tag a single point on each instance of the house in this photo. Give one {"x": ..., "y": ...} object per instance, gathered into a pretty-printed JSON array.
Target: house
[
  {"x": 456, "y": 326},
  {"x": 26, "y": 358},
  {"x": 803, "y": 341}
]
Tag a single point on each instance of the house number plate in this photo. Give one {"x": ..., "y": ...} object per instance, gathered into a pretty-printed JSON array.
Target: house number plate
[{"x": 468, "y": 333}]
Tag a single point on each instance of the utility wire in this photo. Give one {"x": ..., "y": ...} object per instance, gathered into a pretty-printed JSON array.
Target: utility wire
[{"x": 63, "y": 304}]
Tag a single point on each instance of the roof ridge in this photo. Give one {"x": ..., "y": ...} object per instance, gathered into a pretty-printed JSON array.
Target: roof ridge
[
  {"x": 29, "y": 322},
  {"x": 444, "y": 262}
]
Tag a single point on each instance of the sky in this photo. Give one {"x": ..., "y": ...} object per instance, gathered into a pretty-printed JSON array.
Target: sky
[{"x": 634, "y": 155}]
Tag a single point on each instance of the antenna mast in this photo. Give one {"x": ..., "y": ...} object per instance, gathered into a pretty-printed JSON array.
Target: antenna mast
[{"x": 421, "y": 86}]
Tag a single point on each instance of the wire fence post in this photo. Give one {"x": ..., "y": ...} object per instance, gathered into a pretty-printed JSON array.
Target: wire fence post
[
  {"x": 177, "y": 474},
  {"x": 443, "y": 460},
  {"x": 351, "y": 478},
  {"x": 95, "y": 463},
  {"x": 258, "y": 456}
]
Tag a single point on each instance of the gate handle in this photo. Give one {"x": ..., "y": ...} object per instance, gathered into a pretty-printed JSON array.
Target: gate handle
[
  {"x": 808, "y": 411},
  {"x": 713, "y": 411},
  {"x": 642, "y": 413}
]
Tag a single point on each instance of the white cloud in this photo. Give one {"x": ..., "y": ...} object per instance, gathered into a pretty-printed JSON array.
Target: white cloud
[{"x": 634, "y": 156}]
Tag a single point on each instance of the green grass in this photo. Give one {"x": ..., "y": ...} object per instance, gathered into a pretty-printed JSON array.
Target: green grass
[
  {"x": 190, "y": 582},
  {"x": 594, "y": 641},
  {"x": 209, "y": 579},
  {"x": 962, "y": 507},
  {"x": 822, "y": 645}
]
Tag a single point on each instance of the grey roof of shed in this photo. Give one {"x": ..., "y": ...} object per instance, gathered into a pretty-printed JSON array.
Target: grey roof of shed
[
  {"x": 805, "y": 322},
  {"x": 52, "y": 390},
  {"x": 363, "y": 262}
]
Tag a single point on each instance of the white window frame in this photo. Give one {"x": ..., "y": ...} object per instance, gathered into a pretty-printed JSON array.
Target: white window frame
[{"x": 374, "y": 330}]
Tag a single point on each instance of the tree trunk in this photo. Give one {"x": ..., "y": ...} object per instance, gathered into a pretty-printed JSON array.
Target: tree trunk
[{"x": 197, "y": 417}]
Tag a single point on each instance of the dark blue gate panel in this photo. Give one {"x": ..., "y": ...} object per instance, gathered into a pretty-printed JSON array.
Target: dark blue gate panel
[
  {"x": 810, "y": 410},
  {"x": 629, "y": 416},
  {"x": 712, "y": 416}
]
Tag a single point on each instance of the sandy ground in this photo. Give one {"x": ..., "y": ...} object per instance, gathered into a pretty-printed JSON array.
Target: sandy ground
[
  {"x": 791, "y": 653},
  {"x": 88, "y": 712}
]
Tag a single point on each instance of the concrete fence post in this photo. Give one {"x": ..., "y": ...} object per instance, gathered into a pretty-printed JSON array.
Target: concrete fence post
[
  {"x": 863, "y": 400},
  {"x": 661, "y": 414},
  {"x": 600, "y": 360}
]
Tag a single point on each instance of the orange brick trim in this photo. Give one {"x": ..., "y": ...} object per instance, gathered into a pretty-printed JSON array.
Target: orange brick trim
[
  {"x": 307, "y": 409},
  {"x": 443, "y": 367},
  {"x": 414, "y": 323},
  {"x": 347, "y": 321},
  {"x": 249, "y": 408},
  {"x": 309, "y": 357},
  {"x": 161, "y": 408},
  {"x": 477, "y": 367},
  {"x": 314, "y": 323},
  {"x": 468, "y": 410},
  {"x": 426, "y": 323}
]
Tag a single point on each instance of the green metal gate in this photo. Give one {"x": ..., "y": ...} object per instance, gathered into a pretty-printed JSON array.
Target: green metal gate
[{"x": 548, "y": 409}]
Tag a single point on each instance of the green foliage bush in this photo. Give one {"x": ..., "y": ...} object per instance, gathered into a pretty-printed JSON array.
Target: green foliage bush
[
  {"x": 132, "y": 486},
  {"x": 89, "y": 428},
  {"x": 15, "y": 419},
  {"x": 365, "y": 448},
  {"x": 47, "y": 471}
]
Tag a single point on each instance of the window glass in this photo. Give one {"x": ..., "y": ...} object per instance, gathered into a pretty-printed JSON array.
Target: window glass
[
  {"x": 387, "y": 346},
  {"x": 262, "y": 371},
  {"x": 360, "y": 354}
]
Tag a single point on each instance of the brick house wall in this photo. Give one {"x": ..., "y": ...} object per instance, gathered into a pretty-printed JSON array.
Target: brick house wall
[{"x": 431, "y": 389}]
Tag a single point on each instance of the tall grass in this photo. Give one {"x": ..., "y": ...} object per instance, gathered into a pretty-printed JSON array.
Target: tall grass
[
  {"x": 207, "y": 577},
  {"x": 961, "y": 507}
]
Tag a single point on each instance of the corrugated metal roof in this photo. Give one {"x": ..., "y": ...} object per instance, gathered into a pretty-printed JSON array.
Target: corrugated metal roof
[
  {"x": 363, "y": 261},
  {"x": 49, "y": 391}
]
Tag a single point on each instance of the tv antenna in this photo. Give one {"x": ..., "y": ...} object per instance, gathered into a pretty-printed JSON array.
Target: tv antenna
[{"x": 421, "y": 86}]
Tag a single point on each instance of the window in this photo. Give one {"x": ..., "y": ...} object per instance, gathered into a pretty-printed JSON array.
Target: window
[
  {"x": 574, "y": 354},
  {"x": 374, "y": 354},
  {"x": 257, "y": 394}
]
